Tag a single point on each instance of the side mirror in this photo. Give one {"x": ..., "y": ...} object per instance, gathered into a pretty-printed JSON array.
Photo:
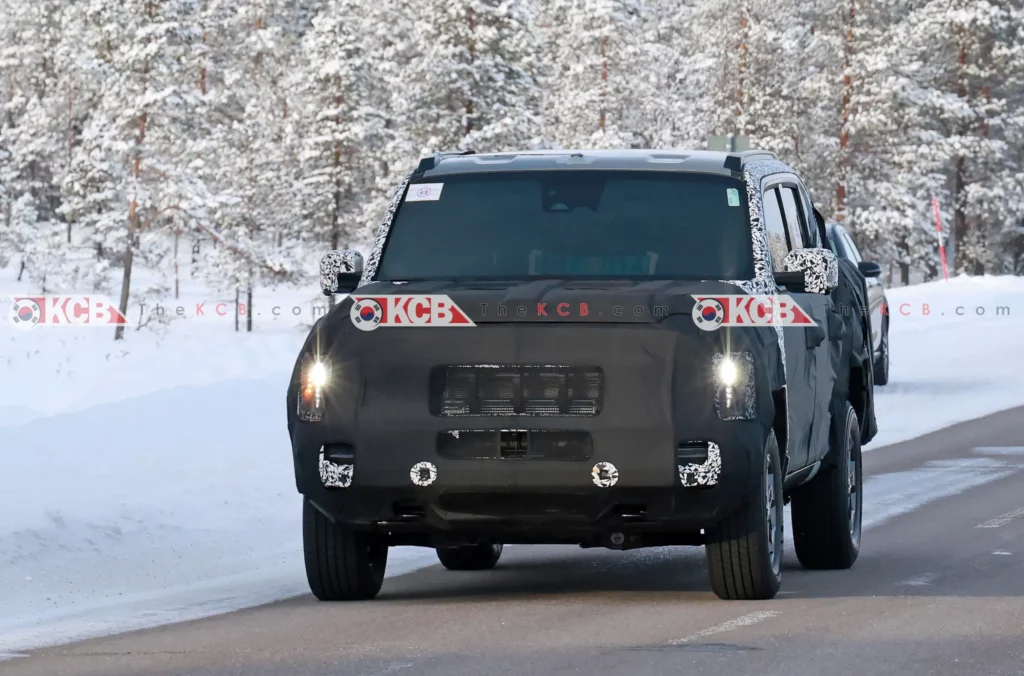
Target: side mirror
[
  {"x": 340, "y": 271},
  {"x": 819, "y": 268},
  {"x": 870, "y": 269}
]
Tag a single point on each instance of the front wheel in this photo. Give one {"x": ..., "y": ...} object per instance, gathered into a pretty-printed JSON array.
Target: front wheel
[
  {"x": 469, "y": 557},
  {"x": 827, "y": 512},
  {"x": 744, "y": 551},
  {"x": 342, "y": 564}
]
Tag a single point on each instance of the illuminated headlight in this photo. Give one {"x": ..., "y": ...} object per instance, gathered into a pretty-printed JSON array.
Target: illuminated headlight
[
  {"x": 735, "y": 386},
  {"x": 313, "y": 381},
  {"x": 727, "y": 371},
  {"x": 318, "y": 374}
]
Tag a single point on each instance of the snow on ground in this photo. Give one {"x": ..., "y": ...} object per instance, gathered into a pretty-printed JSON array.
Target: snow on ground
[
  {"x": 150, "y": 481},
  {"x": 957, "y": 353}
]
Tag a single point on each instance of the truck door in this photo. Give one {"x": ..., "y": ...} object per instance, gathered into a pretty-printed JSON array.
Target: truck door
[
  {"x": 815, "y": 340},
  {"x": 800, "y": 372}
]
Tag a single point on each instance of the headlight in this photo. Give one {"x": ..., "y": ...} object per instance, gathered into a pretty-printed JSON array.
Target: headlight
[
  {"x": 313, "y": 378},
  {"x": 318, "y": 374},
  {"x": 727, "y": 372},
  {"x": 735, "y": 386}
]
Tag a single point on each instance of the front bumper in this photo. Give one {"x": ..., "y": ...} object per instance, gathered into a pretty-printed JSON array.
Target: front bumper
[
  {"x": 658, "y": 397},
  {"x": 414, "y": 490}
]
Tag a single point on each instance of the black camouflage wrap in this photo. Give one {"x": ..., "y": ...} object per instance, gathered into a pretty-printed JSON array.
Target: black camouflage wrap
[
  {"x": 660, "y": 394},
  {"x": 660, "y": 390},
  {"x": 851, "y": 354}
]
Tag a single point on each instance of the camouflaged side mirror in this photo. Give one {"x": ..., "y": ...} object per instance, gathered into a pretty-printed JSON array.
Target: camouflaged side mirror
[
  {"x": 820, "y": 268},
  {"x": 340, "y": 271}
]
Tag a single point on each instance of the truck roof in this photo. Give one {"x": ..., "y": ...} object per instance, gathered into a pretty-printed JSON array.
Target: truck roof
[{"x": 701, "y": 161}]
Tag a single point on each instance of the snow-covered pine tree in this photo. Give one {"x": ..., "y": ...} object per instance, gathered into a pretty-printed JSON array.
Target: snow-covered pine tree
[
  {"x": 141, "y": 123},
  {"x": 346, "y": 120},
  {"x": 247, "y": 114},
  {"x": 40, "y": 114},
  {"x": 595, "y": 84},
  {"x": 472, "y": 82}
]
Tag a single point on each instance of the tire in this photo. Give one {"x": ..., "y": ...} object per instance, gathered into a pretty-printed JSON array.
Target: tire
[
  {"x": 828, "y": 512},
  {"x": 744, "y": 551},
  {"x": 469, "y": 557},
  {"x": 882, "y": 360},
  {"x": 341, "y": 564}
]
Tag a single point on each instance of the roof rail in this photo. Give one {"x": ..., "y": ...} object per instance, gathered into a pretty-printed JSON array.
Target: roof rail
[
  {"x": 428, "y": 163},
  {"x": 735, "y": 161}
]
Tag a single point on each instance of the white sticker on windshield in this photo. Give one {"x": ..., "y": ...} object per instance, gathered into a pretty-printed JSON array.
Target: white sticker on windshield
[
  {"x": 734, "y": 196},
  {"x": 424, "y": 192}
]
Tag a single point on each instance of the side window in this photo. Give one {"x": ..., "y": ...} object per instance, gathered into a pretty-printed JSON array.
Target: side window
[
  {"x": 776, "y": 228},
  {"x": 836, "y": 247},
  {"x": 795, "y": 224},
  {"x": 851, "y": 247},
  {"x": 807, "y": 205}
]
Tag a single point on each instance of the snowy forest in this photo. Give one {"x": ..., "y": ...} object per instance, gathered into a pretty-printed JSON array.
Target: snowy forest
[{"x": 243, "y": 138}]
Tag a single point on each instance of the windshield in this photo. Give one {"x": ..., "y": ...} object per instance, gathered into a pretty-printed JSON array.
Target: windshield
[{"x": 571, "y": 224}]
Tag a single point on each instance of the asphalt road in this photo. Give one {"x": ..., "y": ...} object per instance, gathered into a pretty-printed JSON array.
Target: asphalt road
[{"x": 938, "y": 589}]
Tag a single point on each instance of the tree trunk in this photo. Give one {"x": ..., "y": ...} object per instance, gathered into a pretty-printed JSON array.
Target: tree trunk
[
  {"x": 904, "y": 274},
  {"x": 959, "y": 218},
  {"x": 237, "y": 300},
  {"x": 338, "y": 197},
  {"x": 133, "y": 228},
  {"x": 604, "y": 83},
  {"x": 960, "y": 224},
  {"x": 21, "y": 270},
  {"x": 741, "y": 67},
  {"x": 177, "y": 279},
  {"x": 129, "y": 254},
  {"x": 68, "y": 139},
  {"x": 248, "y": 309},
  {"x": 468, "y": 107},
  {"x": 202, "y": 69},
  {"x": 844, "y": 126}
]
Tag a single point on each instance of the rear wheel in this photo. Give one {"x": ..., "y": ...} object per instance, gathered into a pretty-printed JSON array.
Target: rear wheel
[
  {"x": 469, "y": 557},
  {"x": 744, "y": 551},
  {"x": 341, "y": 564},
  {"x": 827, "y": 512}
]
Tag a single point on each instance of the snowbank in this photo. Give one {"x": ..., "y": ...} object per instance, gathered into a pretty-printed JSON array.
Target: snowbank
[
  {"x": 151, "y": 482},
  {"x": 957, "y": 353}
]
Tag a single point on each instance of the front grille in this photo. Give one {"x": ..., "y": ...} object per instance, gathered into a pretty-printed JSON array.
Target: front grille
[
  {"x": 576, "y": 391},
  {"x": 566, "y": 445}
]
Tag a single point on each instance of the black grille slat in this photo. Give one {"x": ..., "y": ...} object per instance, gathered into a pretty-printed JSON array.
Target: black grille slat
[
  {"x": 516, "y": 390},
  {"x": 565, "y": 445}
]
